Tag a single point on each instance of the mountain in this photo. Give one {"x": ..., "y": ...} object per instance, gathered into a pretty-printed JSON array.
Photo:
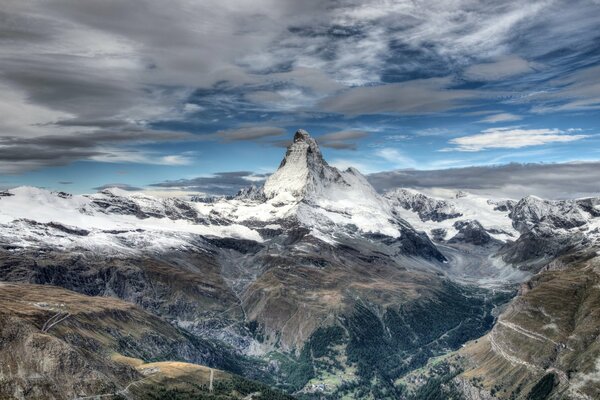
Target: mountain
[
  {"x": 441, "y": 217},
  {"x": 314, "y": 283},
  {"x": 549, "y": 229}
]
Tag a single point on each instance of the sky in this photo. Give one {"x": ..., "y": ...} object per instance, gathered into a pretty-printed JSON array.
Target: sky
[{"x": 203, "y": 96}]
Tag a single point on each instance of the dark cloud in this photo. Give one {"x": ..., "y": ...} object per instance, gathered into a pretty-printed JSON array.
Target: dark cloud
[
  {"x": 220, "y": 183},
  {"x": 511, "y": 180},
  {"x": 100, "y": 123},
  {"x": 95, "y": 138},
  {"x": 501, "y": 68},
  {"x": 24, "y": 153},
  {"x": 422, "y": 96},
  {"x": 122, "y": 186},
  {"x": 249, "y": 133},
  {"x": 68, "y": 84},
  {"x": 341, "y": 140}
]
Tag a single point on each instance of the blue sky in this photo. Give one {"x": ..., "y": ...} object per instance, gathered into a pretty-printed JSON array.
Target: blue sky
[{"x": 203, "y": 96}]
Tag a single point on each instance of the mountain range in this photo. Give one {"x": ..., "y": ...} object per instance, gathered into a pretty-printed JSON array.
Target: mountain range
[{"x": 313, "y": 286}]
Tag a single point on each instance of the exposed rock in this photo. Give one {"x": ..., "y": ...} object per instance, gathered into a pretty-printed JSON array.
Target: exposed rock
[
  {"x": 470, "y": 232},
  {"x": 428, "y": 208}
]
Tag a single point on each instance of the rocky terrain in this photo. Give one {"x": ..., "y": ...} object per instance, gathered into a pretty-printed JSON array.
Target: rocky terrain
[
  {"x": 314, "y": 283},
  {"x": 548, "y": 334}
]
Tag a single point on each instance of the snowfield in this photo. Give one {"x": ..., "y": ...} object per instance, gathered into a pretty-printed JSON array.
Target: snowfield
[{"x": 469, "y": 207}]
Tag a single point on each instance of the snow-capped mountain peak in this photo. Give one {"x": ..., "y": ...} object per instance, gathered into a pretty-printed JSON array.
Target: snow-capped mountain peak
[
  {"x": 302, "y": 172},
  {"x": 326, "y": 198}
]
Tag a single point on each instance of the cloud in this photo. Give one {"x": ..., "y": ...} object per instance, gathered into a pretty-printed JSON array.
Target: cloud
[
  {"x": 122, "y": 186},
  {"x": 395, "y": 157},
  {"x": 126, "y": 156},
  {"x": 338, "y": 140},
  {"x": 578, "y": 91},
  {"x": 18, "y": 154},
  {"x": 364, "y": 166},
  {"x": 69, "y": 68},
  {"x": 502, "y": 117},
  {"x": 511, "y": 180},
  {"x": 341, "y": 140},
  {"x": 511, "y": 138},
  {"x": 249, "y": 133},
  {"x": 220, "y": 183},
  {"x": 415, "y": 97},
  {"x": 502, "y": 68}
]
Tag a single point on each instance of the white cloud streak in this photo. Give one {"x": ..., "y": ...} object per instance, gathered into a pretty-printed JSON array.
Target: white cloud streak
[
  {"x": 511, "y": 138},
  {"x": 502, "y": 117}
]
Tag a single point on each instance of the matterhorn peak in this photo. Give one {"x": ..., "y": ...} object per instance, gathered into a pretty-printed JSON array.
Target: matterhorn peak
[
  {"x": 304, "y": 142},
  {"x": 301, "y": 172}
]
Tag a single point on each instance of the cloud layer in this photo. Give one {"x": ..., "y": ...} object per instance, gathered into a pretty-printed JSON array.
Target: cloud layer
[
  {"x": 512, "y": 181},
  {"x": 149, "y": 83}
]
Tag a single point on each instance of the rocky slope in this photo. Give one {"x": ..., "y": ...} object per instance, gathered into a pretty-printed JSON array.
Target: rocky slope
[
  {"x": 551, "y": 228},
  {"x": 546, "y": 344}
]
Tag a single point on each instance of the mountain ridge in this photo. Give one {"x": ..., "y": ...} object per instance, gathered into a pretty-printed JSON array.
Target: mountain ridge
[{"x": 308, "y": 280}]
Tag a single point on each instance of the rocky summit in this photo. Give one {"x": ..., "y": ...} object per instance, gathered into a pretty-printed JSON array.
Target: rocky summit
[{"x": 313, "y": 286}]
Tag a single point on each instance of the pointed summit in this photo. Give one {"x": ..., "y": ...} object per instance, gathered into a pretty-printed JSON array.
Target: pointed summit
[
  {"x": 301, "y": 171},
  {"x": 301, "y": 134},
  {"x": 301, "y": 140},
  {"x": 324, "y": 199}
]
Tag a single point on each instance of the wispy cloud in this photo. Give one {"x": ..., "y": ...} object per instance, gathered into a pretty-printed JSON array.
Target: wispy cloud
[
  {"x": 415, "y": 97},
  {"x": 511, "y": 138},
  {"x": 502, "y": 117},
  {"x": 578, "y": 91},
  {"x": 501, "y": 68},
  {"x": 396, "y": 157},
  {"x": 126, "y": 156}
]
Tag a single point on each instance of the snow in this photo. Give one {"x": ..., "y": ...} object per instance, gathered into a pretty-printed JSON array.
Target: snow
[
  {"x": 79, "y": 212},
  {"x": 289, "y": 182},
  {"x": 353, "y": 202},
  {"x": 471, "y": 206},
  {"x": 304, "y": 190},
  {"x": 307, "y": 190}
]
